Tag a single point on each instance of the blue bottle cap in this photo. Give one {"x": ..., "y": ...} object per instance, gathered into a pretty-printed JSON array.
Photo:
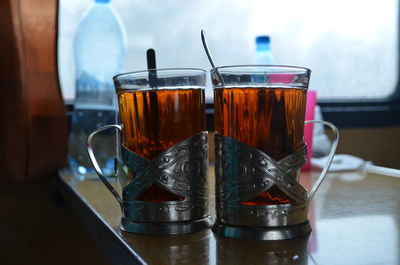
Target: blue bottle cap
[
  {"x": 102, "y": 1},
  {"x": 262, "y": 39}
]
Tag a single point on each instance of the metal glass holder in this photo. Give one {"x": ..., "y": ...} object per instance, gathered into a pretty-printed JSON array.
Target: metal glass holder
[
  {"x": 181, "y": 170},
  {"x": 244, "y": 172}
]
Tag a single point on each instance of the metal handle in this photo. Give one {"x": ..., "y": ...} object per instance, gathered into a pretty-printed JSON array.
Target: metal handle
[
  {"x": 96, "y": 165},
  {"x": 330, "y": 156}
]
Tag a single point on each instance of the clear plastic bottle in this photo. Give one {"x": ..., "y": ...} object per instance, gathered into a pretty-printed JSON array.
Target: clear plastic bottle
[
  {"x": 263, "y": 51},
  {"x": 99, "y": 52}
]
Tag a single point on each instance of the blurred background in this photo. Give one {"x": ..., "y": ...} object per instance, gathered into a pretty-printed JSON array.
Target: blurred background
[{"x": 350, "y": 46}]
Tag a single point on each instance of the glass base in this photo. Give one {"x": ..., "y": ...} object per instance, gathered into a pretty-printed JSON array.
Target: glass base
[
  {"x": 165, "y": 228},
  {"x": 271, "y": 233}
]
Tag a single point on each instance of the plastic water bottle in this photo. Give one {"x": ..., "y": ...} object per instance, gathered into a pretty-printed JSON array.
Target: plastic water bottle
[
  {"x": 263, "y": 51},
  {"x": 99, "y": 51}
]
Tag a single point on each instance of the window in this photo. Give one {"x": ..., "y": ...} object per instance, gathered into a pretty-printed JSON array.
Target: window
[{"x": 351, "y": 46}]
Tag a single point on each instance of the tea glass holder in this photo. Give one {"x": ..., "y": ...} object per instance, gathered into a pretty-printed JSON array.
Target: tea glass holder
[{"x": 259, "y": 172}]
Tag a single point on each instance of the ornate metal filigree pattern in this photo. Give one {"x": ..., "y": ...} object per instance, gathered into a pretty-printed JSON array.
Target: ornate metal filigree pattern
[
  {"x": 181, "y": 170},
  {"x": 243, "y": 172}
]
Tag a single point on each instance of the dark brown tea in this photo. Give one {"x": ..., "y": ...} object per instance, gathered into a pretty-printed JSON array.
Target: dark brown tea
[
  {"x": 155, "y": 120},
  {"x": 269, "y": 119}
]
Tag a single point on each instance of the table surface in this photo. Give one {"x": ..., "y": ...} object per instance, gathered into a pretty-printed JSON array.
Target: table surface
[{"x": 355, "y": 218}]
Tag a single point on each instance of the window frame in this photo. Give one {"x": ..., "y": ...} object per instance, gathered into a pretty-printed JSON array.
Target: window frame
[{"x": 363, "y": 113}]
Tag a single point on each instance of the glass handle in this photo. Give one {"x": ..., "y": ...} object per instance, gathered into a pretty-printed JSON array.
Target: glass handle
[
  {"x": 330, "y": 156},
  {"x": 96, "y": 165}
]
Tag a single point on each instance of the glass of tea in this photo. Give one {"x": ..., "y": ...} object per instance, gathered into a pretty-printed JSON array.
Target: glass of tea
[
  {"x": 259, "y": 129},
  {"x": 263, "y": 107},
  {"x": 164, "y": 147}
]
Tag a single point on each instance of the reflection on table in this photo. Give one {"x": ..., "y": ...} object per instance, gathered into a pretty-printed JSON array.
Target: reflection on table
[{"x": 355, "y": 218}]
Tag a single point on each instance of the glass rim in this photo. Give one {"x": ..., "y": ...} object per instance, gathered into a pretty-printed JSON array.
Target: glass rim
[
  {"x": 163, "y": 70},
  {"x": 265, "y": 66}
]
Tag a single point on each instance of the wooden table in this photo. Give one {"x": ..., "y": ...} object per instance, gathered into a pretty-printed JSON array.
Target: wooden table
[{"x": 355, "y": 218}]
